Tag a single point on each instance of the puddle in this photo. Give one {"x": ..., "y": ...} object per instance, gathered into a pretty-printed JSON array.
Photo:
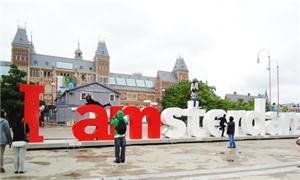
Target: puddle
[
  {"x": 20, "y": 177},
  {"x": 84, "y": 150},
  {"x": 73, "y": 174},
  {"x": 230, "y": 160},
  {"x": 86, "y": 157},
  {"x": 40, "y": 163}
]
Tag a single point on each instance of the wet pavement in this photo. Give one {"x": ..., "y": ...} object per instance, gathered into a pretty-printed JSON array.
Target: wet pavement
[{"x": 260, "y": 159}]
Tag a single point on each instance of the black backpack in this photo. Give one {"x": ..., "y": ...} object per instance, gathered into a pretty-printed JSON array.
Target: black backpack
[{"x": 121, "y": 127}]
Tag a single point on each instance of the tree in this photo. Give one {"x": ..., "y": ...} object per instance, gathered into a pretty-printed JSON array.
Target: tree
[
  {"x": 178, "y": 95},
  {"x": 12, "y": 100},
  {"x": 285, "y": 109}
]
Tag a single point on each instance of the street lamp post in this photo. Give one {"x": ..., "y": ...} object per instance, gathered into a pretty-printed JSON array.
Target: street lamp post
[
  {"x": 269, "y": 69},
  {"x": 277, "y": 90},
  {"x": 53, "y": 92},
  {"x": 277, "y": 66}
]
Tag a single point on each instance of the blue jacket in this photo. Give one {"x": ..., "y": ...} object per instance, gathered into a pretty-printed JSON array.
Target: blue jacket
[{"x": 5, "y": 135}]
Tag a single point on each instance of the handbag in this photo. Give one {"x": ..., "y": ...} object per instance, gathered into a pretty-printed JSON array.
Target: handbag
[{"x": 19, "y": 143}]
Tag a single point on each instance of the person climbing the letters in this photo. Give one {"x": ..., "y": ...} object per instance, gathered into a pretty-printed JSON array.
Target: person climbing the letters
[
  {"x": 120, "y": 132},
  {"x": 89, "y": 100},
  {"x": 194, "y": 91},
  {"x": 222, "y": 124}
]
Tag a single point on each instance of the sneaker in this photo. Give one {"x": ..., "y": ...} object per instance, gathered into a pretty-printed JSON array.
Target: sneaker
[
  {"x": 22, "y": 172},
  {"x": 122, "y": 161},
  {"x": 2, "y": 170},
  {"x": 115, "y": 161},
  {"x": 16, "y": 172}
]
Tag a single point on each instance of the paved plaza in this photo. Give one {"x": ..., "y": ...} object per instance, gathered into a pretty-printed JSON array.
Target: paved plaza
[{"x": 257, "y": 159}]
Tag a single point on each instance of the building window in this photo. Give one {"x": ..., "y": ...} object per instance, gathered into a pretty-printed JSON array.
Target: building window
[
  {"x": 34, "y": 73},
  {"x": 131, "y": 96},
  {"x": 80, "y": 67},
  {"x": 47, "y": 63},
  {"x": 112, "y": 98},
  {"x": 17, "y": 57},
  {"x": 48, "y": 89},
  {"x": 47, "y": 74},
  {"x": 35, "y": 62},
  {"x": 84, "y": 94},
  {"x": 91, "y": 68}
]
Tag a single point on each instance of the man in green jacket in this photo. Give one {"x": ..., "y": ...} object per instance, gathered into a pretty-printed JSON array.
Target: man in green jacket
[{"x": 120, "y": 132}]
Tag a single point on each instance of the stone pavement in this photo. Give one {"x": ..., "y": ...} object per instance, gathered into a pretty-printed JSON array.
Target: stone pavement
[{"x": 257, "y": 159}]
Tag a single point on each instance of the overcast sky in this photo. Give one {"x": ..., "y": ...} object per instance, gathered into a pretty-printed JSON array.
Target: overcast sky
[{"x": 219, "y": 39}]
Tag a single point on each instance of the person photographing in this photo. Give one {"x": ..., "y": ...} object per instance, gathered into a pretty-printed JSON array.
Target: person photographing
[{"x": 119, "y": 136}]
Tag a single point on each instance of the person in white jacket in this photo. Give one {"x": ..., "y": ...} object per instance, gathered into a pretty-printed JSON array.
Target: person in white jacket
[{"x": 194, "y": 91}]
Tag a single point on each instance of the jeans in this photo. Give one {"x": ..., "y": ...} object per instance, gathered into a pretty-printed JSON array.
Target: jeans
[
  {"x": 2, "y": 149},
  {"x": 222, "y": 128},
  {"x": 231, "y": 141},
  {"x": 19, "y": 157},
  {"x": 120, "y": 143}
]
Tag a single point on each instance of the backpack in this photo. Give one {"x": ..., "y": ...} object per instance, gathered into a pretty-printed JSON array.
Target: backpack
[{"x": 121, "y": 127}]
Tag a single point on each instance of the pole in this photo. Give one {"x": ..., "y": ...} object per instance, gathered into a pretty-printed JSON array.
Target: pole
[
  {"x": 269, "y": 69},
  {"x": 28, "y": 74},
  {"x": 270, "y": 87},
  {"x": 52, "y": 110},
  {"x": 277, "y": 90}
]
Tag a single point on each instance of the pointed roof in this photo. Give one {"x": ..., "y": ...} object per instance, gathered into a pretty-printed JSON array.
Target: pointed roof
[
  {"x": 101, "y": 50},
  {"x": 78, "y": 52},
  {"x": 167, "y": 76},
  {"x": 21, "y": 37},
  {"x": 32, "y": 49},
  {"x": 180, "y": 65},
  {"x": 89, "y": 84}
]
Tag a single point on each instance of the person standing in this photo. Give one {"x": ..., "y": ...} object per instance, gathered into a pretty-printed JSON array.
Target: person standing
[
  {"x": 5, "y": 138},
  {"x": 222, "y": 124},
  {"x": 120, "y": 140},
  {"x": 273, "y": 108},
  {"x": 19, "y": 144},
  {"x": 194, "y": 91},
  {"x": 230, "y": 132}
]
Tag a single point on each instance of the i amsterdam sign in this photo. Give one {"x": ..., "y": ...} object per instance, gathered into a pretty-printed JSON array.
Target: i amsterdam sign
[{"x": 253, "y": 123}]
